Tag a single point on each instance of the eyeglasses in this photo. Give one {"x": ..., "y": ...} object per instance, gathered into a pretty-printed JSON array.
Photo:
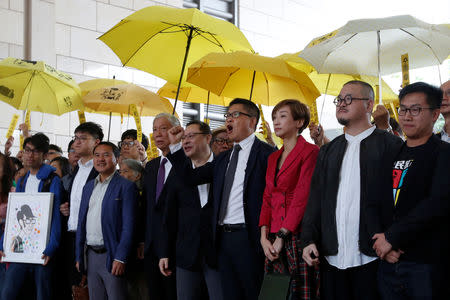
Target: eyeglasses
[
  {"x": 71, "y": 150},
  {"x": 31, "y": 151},
  {"x": 222, "y": 141},
  {"x": 347, "y": 100},
  {"x": 191, "y": 135},
  {"x": 52, "y": 152},
  {"x": 80, "y": 138},
  {"x": 235, "y": 115},
  {"x": 414, "y": 111},
  {"x": 128, "y": 144}
]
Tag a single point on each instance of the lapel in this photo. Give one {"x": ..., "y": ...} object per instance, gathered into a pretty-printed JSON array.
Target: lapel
[
  {"x": 152, "y": 175},
  {"x": 111, "y": 187},
  {"x": 296, "y": 152},
  {"x": 251, "y": 160}
]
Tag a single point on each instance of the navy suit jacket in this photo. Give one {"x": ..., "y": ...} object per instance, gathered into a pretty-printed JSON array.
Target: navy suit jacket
[
  {"x": 117, "y": 217},
  {"x": 254, "y": 185}
]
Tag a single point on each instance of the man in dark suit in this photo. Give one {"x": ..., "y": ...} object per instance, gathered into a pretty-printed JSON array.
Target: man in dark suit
[
  {"x": 106, "y": 226},
  {"x": 187, "y": 228},
  {"x": 87, "y": 136},
  {"x": 238, "y": 177},
  {"x": 158, "y": 172},
  {"x": 413, "y": 242}
]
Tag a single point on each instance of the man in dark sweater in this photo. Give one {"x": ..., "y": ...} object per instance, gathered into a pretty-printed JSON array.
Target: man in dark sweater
[{"x": 414, "y": 243}]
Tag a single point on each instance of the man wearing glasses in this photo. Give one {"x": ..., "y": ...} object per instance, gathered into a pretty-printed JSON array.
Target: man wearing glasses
[
  {"x": 220, "y": 141},
  {"x": 351, "y": 170},
  {"x": 39, "y": 178},
  {"x": 131, "y": 148},
  {"x": 415, "y": 220},
  {"x": 238, "y": 178},
  {"x": 87, "y": 136}
]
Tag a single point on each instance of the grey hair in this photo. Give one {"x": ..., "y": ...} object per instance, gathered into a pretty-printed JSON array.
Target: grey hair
[
  {"x": 134, "y": 165},
  {"x": 171, "y": 118}
]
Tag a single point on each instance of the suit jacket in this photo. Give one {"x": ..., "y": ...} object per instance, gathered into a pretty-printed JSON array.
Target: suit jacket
[
  {"x": 187, "y": 232},
  {"x": 254, "y": 184},
  {"x": 117, "y": 219},
  {"x": 154, "y": 210},
  {"x": 284, "y": 203}
]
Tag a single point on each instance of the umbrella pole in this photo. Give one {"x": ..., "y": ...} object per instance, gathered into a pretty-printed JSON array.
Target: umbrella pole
[
  {"x": 324, "y": 97},
  {"x": 109, "y": 126},
  {"x": 253, "y": 83},
  {"x": 379, "y": 67},
  {"x": 191, "y": 30},
  {"x": 207, "y": 106}
]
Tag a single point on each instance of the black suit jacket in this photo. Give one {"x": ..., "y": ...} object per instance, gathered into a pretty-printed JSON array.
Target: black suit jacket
[
  {"x": 187, "y": 232},
  {"x": 254, "y": 184},
  {"x": 153, "y": 210}
]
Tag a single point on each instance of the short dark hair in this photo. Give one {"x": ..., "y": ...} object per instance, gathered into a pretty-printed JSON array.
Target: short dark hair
[
  {"x": 251, "y": 108},
  {"x": 368, "y": 89},
  {"x": 70, "y": 145},
  {"x": 114, "y": 148},
  {"x": 203, "y": 127},
  {"x": 299, "y": 111},
  {"x": 433, "y": 93},
  {"x": 63, "y": 164},
  {"x": 39, "y": 140},
  {"x": 132, "y": 134},
  {"x": 94, "y": 129},
  {"x": 55, "y": 147}
]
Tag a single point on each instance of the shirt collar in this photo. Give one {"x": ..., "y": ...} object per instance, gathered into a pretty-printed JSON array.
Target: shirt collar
[
  {"x": 88, "y": 164},
  {"x": 210, "y": 159},
  {"x": 247, "y": 142},
  {"x": 359, "y": 137},
  {"x": 106, "y": 181},
  {"x": 443, "y": 133}
]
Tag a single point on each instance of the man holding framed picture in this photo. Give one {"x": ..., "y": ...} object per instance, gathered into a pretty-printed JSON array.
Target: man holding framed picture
[{"x": 39, "y": 178}]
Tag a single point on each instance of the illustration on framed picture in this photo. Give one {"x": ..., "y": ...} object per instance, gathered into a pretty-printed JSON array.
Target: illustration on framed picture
[{"x": 27, "y": 228}]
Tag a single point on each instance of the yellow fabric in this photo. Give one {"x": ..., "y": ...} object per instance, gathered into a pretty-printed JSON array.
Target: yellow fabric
[
  {"x": 154, "y": 39},
  {"x": 36, "y": 86},
  {"x": 231, "y": 74},
  {"x": 118, "y": 99},
  {"x": 192, "y": 94}
]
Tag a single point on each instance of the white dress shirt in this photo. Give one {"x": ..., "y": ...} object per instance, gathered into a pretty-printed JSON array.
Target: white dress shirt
[
  {"x": 235, "y": 209},
  {"x": 348, "y": 207},
  {"x": 203, "y": 189},
  {"x": 77, "y": 189},
  {"x": 444, "y": 136},
  {"x": 94, "y": 234},
  {"x": 32, "y": 186}
]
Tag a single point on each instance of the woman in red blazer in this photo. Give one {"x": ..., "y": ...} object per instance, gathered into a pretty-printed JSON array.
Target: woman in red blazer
[{"x": 288, "y": 176}]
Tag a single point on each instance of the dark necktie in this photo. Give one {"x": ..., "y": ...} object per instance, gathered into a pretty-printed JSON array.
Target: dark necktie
[
  {"x": 160, "y": 178},
  {"x": 228, "y": 182}
]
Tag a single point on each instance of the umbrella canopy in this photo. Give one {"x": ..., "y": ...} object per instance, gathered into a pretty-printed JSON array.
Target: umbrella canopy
[
  {"x": 262, "y": 79},
  {"x": 193, "y": 94},
  {"x": 118, "y": 98},
  {"x": 355, "y": 47},
  {"x": 95, "y": 84},
  {"x": 331, "y": 84},
  {"x": 163, "y": 40},
  {"x": 36, "y": 86}
]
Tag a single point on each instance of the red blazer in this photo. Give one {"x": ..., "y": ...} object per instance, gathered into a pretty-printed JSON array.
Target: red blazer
[{"x": 284, "y": 204}]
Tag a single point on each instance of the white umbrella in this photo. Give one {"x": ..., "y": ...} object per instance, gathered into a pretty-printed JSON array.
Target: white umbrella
[{"x": 374, "y": 46}]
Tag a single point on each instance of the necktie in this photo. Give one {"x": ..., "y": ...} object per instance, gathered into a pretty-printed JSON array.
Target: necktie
[
  {"x": 228, "y": 182},
  {"x": 160, "y": 178}
]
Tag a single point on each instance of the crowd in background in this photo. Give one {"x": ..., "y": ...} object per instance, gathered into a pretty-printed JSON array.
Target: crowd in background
[{"x": 363, "y": 216}]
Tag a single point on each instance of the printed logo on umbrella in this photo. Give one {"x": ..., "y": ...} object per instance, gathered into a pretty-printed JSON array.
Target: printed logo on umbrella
[
  {"x": 111, "y": 94},
  {"x": 68, "y": 101},
  {"x": 6, "y": 92}
]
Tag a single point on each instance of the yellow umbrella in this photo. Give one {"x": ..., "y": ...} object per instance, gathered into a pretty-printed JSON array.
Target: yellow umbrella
[
  {"x": 163, "y": 40},
  {"x": 118, "y": 99},
  {"x": 193, "y": 94},
  {"x": 262, "y": 79},
  {"x": 36, "y": 86},
  {"x": 122, "y": 99},
  {"x": 336, "y": 81},
  {"x": 95, "y": 84}
]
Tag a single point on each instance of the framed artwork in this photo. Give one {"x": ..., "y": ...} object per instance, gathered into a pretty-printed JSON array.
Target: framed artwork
[{"x": 27, "y": 228}]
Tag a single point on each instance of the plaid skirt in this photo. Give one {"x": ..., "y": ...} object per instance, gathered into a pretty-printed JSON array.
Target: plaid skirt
[{"x": 305, "y": 280}]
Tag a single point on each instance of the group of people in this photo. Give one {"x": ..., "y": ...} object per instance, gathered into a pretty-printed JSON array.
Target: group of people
[{"x": 364, "y": 216}]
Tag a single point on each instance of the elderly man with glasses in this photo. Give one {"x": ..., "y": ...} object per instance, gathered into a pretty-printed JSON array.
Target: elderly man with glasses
[{"x": 352, "y": 171}]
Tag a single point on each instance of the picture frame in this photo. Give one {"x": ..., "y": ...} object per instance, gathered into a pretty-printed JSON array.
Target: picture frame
[{"x": 27, "y": 228}]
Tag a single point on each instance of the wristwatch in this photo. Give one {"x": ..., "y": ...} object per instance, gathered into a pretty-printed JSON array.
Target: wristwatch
[{"x": 282, "y": 235}]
